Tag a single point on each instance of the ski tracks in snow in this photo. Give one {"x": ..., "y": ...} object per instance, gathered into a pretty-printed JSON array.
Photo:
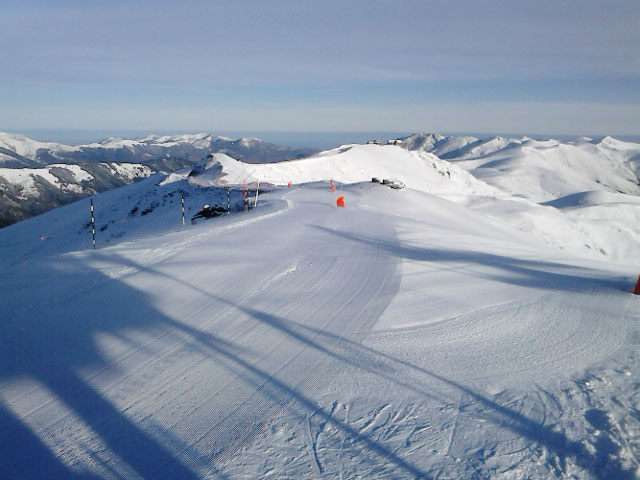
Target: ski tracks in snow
[
  {"x": 225, "y": 357},
  {"x": 537, "y": 434},
  {"x": 243, "y": 362}
]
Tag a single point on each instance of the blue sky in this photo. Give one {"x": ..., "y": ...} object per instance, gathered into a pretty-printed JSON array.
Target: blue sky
[{"x": 565, "y": 67}]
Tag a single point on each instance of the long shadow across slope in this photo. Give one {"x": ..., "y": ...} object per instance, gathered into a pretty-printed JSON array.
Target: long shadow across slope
[
  {"x": 47, "y": 342},
  {"x": 348, "y": 352},
  {"x": 526, "y": 273}
]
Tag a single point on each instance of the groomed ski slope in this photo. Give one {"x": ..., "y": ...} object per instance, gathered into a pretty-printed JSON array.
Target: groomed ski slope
[{"x": 404, "y": 336}]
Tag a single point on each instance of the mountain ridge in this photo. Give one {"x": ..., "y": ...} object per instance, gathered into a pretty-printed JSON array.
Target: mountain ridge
[
  {"x": 554, "y": 169},
  {"x": 36, "y": 176},
  {"x": 188, "y": 147}
]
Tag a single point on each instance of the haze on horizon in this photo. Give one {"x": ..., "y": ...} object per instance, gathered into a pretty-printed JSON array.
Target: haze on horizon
[{"x": 569, "y": 67}]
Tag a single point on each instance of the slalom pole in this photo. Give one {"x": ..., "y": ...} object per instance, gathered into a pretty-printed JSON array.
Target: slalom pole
[
  {"x": 228, "y": 189},
  {"x": 93, "y": 224},
  {"x": 182, "y": 205}
]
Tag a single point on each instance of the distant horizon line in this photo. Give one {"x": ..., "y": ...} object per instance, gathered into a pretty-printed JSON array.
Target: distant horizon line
[{"x": 311, "y": 138}]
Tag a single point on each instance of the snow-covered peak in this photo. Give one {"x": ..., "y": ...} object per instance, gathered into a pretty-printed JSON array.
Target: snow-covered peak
[
  {"x": 248, "y": 141},
  {"x": 615, "y": 144},
  {"x": 13, "y": 137},
  {"x": 485, "y": 147},
  {"x": 422, "y": 141},
  {"x": 444, "y": 147},
  {"x": 351, "y": 164},
  {"x": 196, "y": 139},
  {"x": 533, "y": 143},
  {"x": 117, "y": 142},
  {"x": 28, "y": 147},
  {"x": 546, "y": 170}
]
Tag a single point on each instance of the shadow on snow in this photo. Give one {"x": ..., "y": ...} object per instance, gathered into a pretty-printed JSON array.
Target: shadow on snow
[
  {"x": 52, "y": 341},
  {"x": 505, "y": 269}
]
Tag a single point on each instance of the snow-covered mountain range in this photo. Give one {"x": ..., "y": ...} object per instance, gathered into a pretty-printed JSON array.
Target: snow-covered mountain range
[
  {"x": 540, "y": 170},
  {"x": 582, "y": 194},
  {"x": 20, "y": 151},
  {"x": 36, "y": 176},
  {"x": 477, "y": 323},
  {"x": 591, "y": 184}
]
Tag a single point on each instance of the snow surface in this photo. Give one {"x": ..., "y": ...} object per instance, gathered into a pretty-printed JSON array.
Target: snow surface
[{"x": 428, "y": 332}]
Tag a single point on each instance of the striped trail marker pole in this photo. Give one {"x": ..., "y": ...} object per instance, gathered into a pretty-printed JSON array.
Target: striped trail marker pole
[
  {"x": 93, "y": 225},
  {"x": 182, "y": 205}
]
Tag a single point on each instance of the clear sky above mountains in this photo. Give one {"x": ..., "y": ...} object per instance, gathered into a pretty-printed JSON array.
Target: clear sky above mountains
[{"x": 493, "y": 66}]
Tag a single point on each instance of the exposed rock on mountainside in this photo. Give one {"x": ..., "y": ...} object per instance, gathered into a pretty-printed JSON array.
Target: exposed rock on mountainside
[{"x": 38, "y": 176}]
